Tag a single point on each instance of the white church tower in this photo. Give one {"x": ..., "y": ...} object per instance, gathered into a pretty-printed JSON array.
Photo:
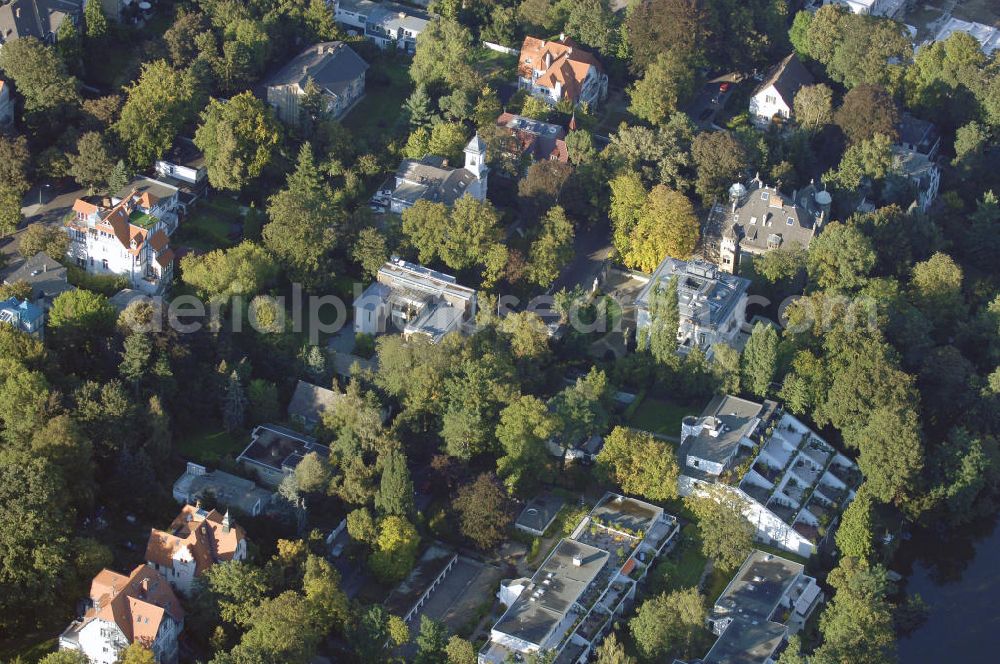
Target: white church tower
[{"x": 475, "y": 163}]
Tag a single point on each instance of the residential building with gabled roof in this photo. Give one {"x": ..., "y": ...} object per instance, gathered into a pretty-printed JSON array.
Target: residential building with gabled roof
[
  {"x": 138, "y": 608},
  {"x": 759, "y": 218},
  {"x": 310, "y": 403},
  {"x": 775, "y": 96},
  {"x": 46, "y": 277},
  {"x": 560, "y": 70},
  {"x": 127, "y": 235},
  {"x": 196, "y": 540},
  {"x": 40, "y": 19},
  {"x": 793, "y": 484},
  {"x": 432, "y": 179},
  {"x": 336, "y": 70}
]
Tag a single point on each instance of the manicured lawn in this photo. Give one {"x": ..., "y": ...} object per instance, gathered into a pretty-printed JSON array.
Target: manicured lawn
[
  {"x": 661, "y": 416},
  {"x": 210, "y": 224},
  {"x": 211, "y": 444},
  {"x": 683, "y": 567},
  {"x": 377, "y": 117},
  {"x": 491, "y": 63}
]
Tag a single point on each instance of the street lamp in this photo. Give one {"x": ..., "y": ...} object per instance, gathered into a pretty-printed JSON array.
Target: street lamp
[{"x": 40, "y": 187}]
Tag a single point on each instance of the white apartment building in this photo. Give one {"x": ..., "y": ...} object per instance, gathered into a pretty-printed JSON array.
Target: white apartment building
[
  {"x": 586, "y": 584},
  {"x": 413, "y": 300},
  {"x": 793, "y": 484}
]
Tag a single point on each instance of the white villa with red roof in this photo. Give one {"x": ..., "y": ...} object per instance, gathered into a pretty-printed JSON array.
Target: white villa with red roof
[
  {"x": 560, "y": 70},
  {"x": 140, "y": 607},
  {"x": 196, "y": 540},
  {"x": 127, "y": 235}
]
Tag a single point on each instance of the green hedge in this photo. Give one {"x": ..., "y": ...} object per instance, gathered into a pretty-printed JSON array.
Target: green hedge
[{"x": 105, "y": 284}]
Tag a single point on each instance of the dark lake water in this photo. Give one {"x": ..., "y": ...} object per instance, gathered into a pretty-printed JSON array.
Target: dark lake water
[{"x": 958, "y": 576}]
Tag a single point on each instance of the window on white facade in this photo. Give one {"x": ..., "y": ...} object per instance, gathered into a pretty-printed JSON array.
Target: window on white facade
[{"x": 770, "y": 99}]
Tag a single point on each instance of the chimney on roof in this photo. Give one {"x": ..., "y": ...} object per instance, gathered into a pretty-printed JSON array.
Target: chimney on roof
[
  {"x": 226, "y": 525},
  {"x": 562, "y": 36},
  {"x": 578, "y": 561},
  {"x": 145, "y": 584}
]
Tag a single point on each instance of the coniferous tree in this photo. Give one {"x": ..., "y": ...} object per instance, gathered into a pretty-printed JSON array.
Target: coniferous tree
[
  {"x": 660, "y": 338},
  {"x": 395, "y": 491},
  {"x": 234, "y": 407},
  {"x": 760, "y": 359},
  {"x": 118, "y": 177}
]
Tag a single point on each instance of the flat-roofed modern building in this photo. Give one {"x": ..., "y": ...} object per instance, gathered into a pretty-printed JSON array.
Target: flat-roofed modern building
[
  {"x": 274, "y": 452},
  {"x": 769, "y": 599},
  {"x": 587, "y": 581},
  {"x": 712, "y": 303},
  {"x": 413, "y": 300},
  {"x": 225, "y": 490},
  {"x": 793, "y": 484}
]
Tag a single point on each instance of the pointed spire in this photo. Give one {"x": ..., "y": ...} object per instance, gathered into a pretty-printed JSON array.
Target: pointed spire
[
  {"x": 226, "y": 524},
  {"x": 572, "y": 121}
]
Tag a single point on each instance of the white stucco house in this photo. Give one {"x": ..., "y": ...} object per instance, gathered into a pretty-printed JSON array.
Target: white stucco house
[
  {"x": 792, "y": 483},
  {"x": 127, "y": 235},
  {"x": 196, "y": 540},
  {"x": 712, "y": 303},
  {"x": 121, "y": 610},
  {"x": 554, "y": 71},
  {"x": 775, "y": 97}
]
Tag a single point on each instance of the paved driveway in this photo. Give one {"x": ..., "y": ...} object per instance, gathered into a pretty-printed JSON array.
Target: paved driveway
[{"x": 56, "y": 201}]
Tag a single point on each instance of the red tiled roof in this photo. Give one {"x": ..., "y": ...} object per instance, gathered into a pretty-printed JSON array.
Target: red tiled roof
[
  {"x": 159, "y": 241},
  {"x": 136, "y": 603},
  {"x": 202, "y": 534},
  {"x": 165, "y": 258},
  {"x": 568, "y": 66}
]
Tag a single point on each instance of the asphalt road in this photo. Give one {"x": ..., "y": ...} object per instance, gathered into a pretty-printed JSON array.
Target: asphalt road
[
  {"x": 56, "y": 201},
  {"x": 591, "y": 249}
]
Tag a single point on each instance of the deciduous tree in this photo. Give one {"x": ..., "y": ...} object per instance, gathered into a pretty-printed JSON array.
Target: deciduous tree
[
  {"x": 760, "y": 359},
  {"x": 239, "y": 138},
  {"x": 525, "y": 426},
  {"x": 156, "y": 106},
  {"x": 668, "y": 623},
  {"x": 304, "y": 223},
  {"x": 668, "y": 83},
  {"x": 395, "y": 549},
  {"x": 726, "y": 535},
  {"x": 639, "y": 463},
  {"x": 483, "y": 511},
  {"x": 552, "y": 249}
]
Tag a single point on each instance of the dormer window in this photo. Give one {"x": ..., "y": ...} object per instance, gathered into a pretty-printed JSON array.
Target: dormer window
[
  {"x": 765, "y": 195},
  {"x": 790, "y": 221}
]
